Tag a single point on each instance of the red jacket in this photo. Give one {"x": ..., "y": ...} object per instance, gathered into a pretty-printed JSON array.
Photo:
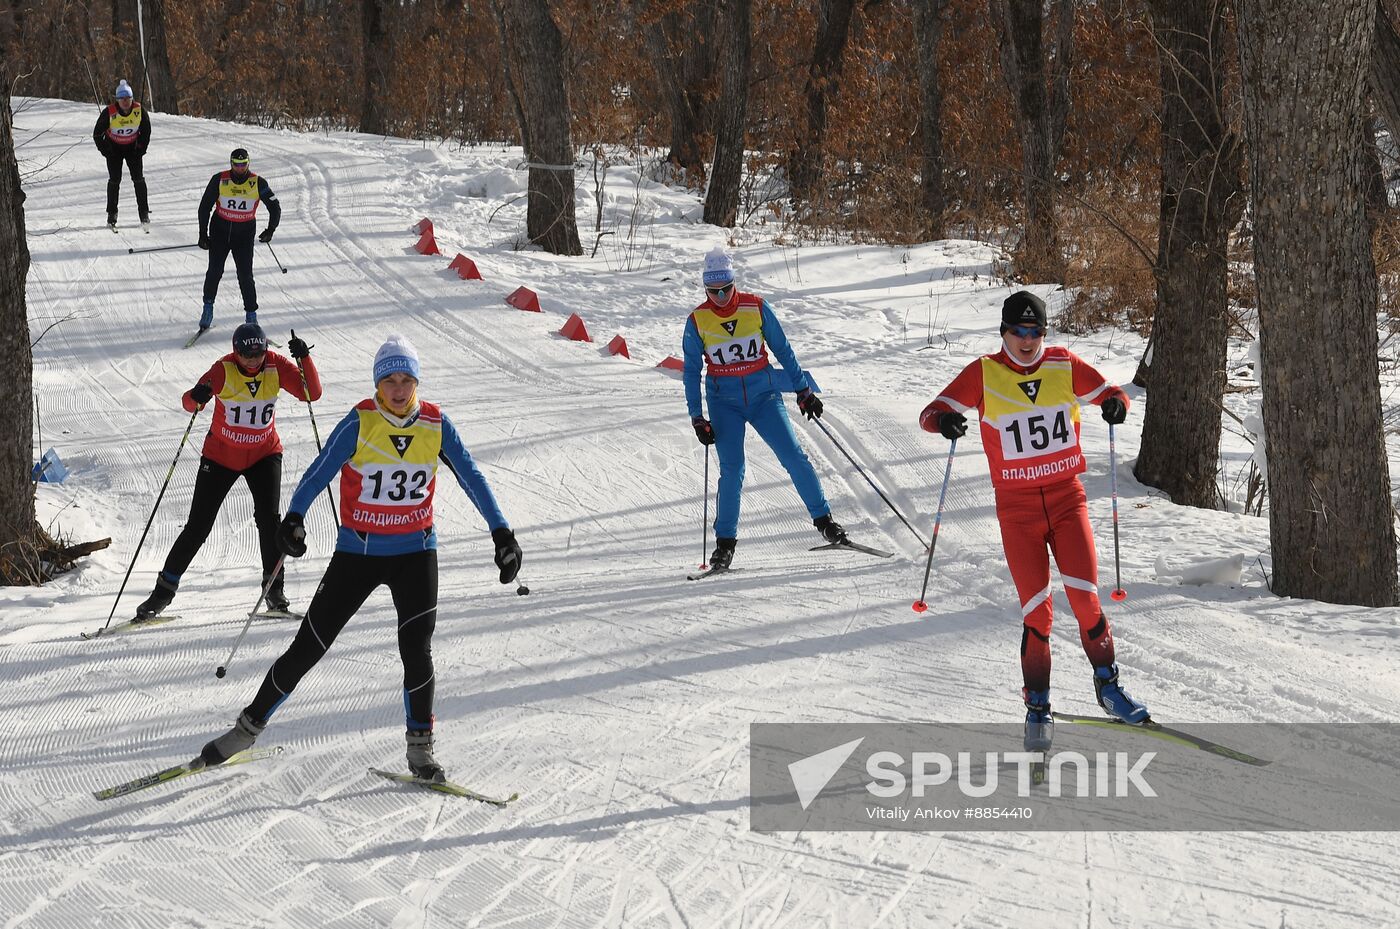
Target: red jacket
[
  {"x": 1031, "y": 432},
  {"x": 244, "y": 430}
]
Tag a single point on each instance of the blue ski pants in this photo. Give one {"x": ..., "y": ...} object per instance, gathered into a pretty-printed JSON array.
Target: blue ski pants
[{"x": 765, "y": 412}]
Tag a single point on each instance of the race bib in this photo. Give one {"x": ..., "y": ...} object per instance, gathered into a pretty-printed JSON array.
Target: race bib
[
  {"x": 249, "y": 414},
  {"x": 748, "y": 348},
  {"x": 1036, "y": 432},
  {"x": 394, "y": 484}
]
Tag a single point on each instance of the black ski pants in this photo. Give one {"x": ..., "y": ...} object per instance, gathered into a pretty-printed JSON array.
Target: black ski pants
[
  {"x": 128, "y": 155},
  {"x": 412, "y": 580},
  {"x": 226, "y": 237},
  {"x": 211, "y": 486}
]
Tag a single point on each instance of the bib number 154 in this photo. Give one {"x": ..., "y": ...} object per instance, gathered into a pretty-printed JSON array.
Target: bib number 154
[{"x": 1026, "y": 435}]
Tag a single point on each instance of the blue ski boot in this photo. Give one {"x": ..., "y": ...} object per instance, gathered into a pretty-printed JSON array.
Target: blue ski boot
[
  {"x": 1114, "y": 699},
  {"x": 1040, "y": 725},
  {"x": 250, "y": 317},
  {"x": 206, "y": 318}
]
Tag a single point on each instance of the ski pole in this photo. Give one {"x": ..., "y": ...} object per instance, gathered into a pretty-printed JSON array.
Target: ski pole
[
  {"x": 275, "y": 258},
  {"x": 180, "y": 448},
  {"x": 222, "y": 669},
  {"x": 520, "y": 589},
  {"x": 159, "y": 248},
  {"x": 705, "y": 521},
  {"x": 920, "y": 605},
  {"x": 1118, "y": 594},
  {"x": 892, "y": 507},
  {"x": 335, "y": 515}
]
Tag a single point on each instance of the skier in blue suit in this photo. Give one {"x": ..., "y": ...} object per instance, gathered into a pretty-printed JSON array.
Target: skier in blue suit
[{"x": 731, "y": 334}]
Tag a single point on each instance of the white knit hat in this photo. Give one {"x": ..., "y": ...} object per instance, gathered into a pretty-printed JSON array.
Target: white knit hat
[
  {"x": 123, "y": 89},
  {"x": 719, "y": 268},
  {"x": 396, "y": 354}
]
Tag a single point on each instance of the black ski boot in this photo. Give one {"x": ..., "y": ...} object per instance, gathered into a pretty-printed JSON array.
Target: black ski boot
[
  {"x": 723, "y": 554},
  {"x": 240, "y": 738},
  {"x": 276, "y": 599},
  {"x": 831, "y": 530},
  {"x": 421, "y": 762},
  {"x": 158, "y": 600}
]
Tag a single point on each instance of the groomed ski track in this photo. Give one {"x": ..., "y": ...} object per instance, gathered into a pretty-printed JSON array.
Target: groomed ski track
[{"x": 616, "y": 697}]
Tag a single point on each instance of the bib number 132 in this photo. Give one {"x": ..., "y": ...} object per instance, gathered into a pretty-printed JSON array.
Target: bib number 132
[
  {"x": 403, "y": 486},
  {"x": 1029, "y": 434}
]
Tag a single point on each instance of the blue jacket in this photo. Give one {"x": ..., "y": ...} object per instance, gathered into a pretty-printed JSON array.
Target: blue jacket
[
  {"x": 745, "y": 389},
  {"x": 341, "y": 446}
]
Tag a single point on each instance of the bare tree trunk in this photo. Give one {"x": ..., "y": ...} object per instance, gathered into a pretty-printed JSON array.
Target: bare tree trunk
[
  {"x": 1041, "y": 113},
  {"x": 928, "y": 24},
  {"x": 18, "y": 562},
  {"x": 683, "y": 50},
  {"x": 534, "y": 58},
  {"x": 1304, "y": 69},
  {"x": 378, "y": 64},
  {"x": 1385, "y": 71},
  {"x": 164, "y": 96},
  {"x": 823, "y": 74},
  {"x": 1372, "y": 175},
  {"x": 1200, "y": 204},
  {"x": 731, "y": 120}
]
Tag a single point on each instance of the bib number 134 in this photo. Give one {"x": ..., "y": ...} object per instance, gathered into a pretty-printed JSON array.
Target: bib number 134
[{"x": 1027, "y": 434}]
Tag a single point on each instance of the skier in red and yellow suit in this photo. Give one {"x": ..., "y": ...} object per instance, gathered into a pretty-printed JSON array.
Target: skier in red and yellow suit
[
  {"x": 1028, "y": 397},
  {"x": 242, "y": 442}
]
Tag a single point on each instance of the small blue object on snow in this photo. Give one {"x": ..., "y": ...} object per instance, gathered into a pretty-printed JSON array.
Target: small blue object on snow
[{"x": 49, "y": 469}]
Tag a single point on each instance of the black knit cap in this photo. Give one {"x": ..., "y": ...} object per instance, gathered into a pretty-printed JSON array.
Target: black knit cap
[{"x": 1023, "y": 308}]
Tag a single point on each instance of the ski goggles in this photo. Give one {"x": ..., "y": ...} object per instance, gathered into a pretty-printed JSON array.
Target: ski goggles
[
  {"x": 1027, "y": 332},
  {"x": 720, "y": 291}
]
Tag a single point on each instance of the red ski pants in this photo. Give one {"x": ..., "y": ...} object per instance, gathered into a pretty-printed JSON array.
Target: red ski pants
[{"x": 1036, "y": 523}]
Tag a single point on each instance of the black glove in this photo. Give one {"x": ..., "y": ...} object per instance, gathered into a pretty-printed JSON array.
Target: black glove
[
  {"x": 204, "y": 240},
  {"x": 201, "y": 392},
  {"x": 703, "y": 430},
  {"x": 508, "y": 554},
  {"x": 952, "y": 425},
  {"x": 298, "y": 348},
  {"x": 266, "y": 236},
  {"x": 809, "y": 403},
  {"x": 1114, "y": 411},
  {"x": 291, "y": 536}
]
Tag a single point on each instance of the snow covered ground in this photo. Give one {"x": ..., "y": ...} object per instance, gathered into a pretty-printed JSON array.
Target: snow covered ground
[{"x": 617, "y": 696}]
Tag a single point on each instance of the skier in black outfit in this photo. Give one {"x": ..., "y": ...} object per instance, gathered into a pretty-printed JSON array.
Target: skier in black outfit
[
  {"x": 233, "y": 197},
  {"x": 122, "y": 133}
]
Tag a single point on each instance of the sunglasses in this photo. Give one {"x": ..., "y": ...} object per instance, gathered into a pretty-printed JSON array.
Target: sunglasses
[
  {"x": 1027, "y": 332},
  {"x": 251, "y": 352},
  {"x": 719, "y": 291}
]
